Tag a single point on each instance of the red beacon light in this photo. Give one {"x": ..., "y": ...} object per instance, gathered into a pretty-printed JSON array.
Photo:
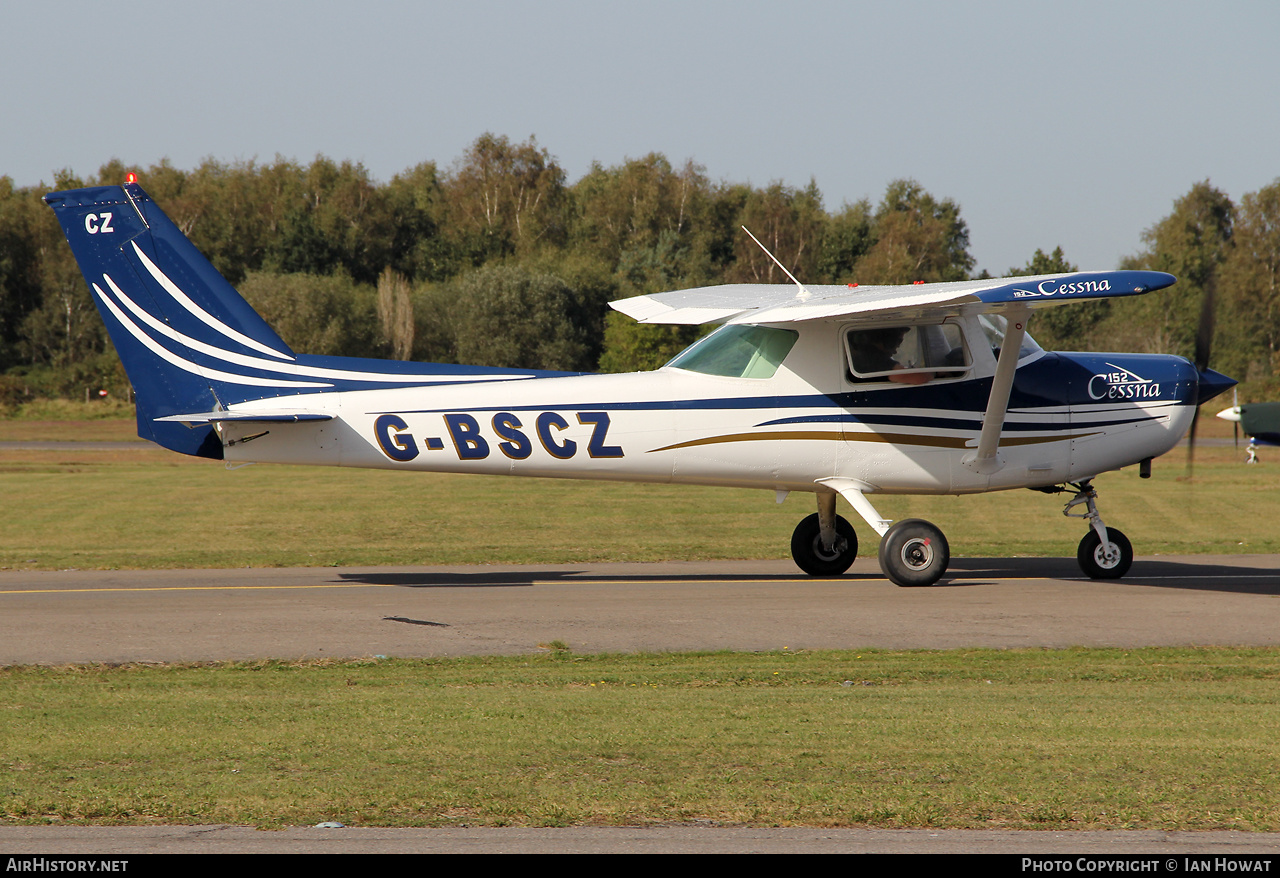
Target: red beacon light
[{"x": 131, "y": 177}]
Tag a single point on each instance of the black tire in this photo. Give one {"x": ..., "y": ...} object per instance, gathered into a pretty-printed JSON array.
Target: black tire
[
  {"x": 914, "y": 553},
  {"x": 806, "y": 547},
  {"x": 1095, "y": 564}
]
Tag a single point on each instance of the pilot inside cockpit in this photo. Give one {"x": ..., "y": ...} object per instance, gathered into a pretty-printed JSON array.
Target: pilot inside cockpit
[{"x": 904, "y": 354}]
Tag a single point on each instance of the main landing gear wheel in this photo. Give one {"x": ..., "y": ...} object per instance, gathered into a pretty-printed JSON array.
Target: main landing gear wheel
[
  {"x": 914, "y": 553},
  {"x": 812, "y": 558},
  {"x": 1097, "y": 562}
]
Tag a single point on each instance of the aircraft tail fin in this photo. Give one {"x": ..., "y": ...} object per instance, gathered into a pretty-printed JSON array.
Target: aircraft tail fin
[{"x": 187, "y": 339}]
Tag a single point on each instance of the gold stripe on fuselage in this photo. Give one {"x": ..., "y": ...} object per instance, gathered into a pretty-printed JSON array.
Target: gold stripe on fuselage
[{"x": 893, "y": 438}]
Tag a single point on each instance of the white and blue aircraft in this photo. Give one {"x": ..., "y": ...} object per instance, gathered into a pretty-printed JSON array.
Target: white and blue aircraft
[{"x": 829, "y": 390}]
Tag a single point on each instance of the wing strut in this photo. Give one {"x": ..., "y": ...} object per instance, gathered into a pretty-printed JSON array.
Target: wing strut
[{"x": 987, "y": 459}]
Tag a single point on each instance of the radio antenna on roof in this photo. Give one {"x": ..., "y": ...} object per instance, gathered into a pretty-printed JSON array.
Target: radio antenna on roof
[{"x": 804, "y": 294}]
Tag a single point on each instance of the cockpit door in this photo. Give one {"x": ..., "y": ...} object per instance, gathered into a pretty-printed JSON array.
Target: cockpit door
[{"x": 904, "y": 384}]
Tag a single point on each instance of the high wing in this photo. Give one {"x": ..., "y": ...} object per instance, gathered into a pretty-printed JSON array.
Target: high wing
[{"x": 786, "y": 303}]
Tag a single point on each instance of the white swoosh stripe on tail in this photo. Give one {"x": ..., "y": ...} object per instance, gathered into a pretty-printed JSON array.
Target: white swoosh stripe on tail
[
  {"x": 271, "y": 365},
  {"x": 186, "y": 365},
  {"x": 205, "y": 317}
]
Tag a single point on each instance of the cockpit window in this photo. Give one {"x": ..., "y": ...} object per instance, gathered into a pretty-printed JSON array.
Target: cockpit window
[
  {"x": 906, "y": 354},
  {"x": 738, "y": 352}
]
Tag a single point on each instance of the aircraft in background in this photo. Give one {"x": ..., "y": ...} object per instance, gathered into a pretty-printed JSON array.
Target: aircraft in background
[
  {"x": 1260, "y": 421},
  {"x": 827, "y": 390}
]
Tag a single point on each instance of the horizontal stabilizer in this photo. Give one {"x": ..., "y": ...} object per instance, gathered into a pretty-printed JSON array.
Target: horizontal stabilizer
[{"x": 265, "y": 416}]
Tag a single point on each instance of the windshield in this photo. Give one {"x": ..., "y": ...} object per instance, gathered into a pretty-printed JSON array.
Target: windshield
[{"x": 738, "y": 352}]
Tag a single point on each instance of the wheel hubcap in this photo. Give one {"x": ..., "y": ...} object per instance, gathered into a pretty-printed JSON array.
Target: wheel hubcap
[
  {"x": 838, "y": 549},
  {"x": 1106, "y": 559},
  {"x": 917, "y": 553}
]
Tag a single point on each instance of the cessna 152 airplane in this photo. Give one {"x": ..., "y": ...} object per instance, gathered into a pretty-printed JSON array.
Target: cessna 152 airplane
[{"x": 830, "y": 390}]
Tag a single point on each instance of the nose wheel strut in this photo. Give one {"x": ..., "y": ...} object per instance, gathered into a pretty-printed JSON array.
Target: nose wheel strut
[{"x": 1104, "y": 552}]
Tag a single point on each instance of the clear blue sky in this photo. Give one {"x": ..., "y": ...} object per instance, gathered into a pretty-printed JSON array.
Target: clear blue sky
[{"x": 1073, "y": 124}]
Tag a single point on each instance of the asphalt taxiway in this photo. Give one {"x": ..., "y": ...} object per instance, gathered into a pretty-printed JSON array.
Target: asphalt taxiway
[{"x": 213, "y": 615}]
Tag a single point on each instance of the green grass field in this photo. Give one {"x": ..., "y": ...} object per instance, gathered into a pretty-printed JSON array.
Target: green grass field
[{"x": 1062, "y": 739}]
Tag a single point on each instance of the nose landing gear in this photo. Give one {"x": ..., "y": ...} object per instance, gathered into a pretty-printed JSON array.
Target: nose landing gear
[{"x": 1104, "y": 552}]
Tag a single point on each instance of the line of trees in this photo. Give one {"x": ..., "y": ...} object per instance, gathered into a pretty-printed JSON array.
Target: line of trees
[{"x": 499, "y": 260}]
